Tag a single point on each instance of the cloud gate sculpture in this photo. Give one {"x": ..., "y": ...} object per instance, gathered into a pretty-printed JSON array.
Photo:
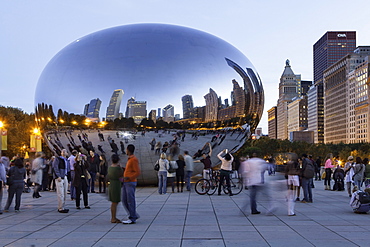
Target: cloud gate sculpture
[{"x": 135, "y": 83}]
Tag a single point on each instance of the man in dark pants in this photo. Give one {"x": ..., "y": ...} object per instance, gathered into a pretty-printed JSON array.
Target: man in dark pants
[{"x": 94, "y": 162}]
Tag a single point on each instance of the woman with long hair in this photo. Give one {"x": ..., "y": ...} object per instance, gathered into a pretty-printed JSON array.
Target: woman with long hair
[
  {"x": 180, "y": 173},
  {"x": 162, "y": 174},
  {"x": 328, "y": 166}
]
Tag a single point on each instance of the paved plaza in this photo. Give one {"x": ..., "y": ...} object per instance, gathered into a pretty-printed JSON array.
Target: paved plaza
[{"x": 187, "y": 219}]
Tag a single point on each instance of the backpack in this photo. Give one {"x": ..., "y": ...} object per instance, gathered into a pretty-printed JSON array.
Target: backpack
[
  {"x": 363, "y": 197},
  {"x": 309, "y": 171}
]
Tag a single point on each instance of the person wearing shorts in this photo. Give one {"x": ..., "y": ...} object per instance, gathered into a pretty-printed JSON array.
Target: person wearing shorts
[{"x": 292, "y": 175}]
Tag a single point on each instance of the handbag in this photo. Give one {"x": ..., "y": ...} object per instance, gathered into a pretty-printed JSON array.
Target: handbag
[
  {"x": 156, "y": 166},
  {"x": 323, "y": 175}
]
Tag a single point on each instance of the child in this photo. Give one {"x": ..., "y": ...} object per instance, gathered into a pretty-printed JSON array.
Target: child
[{"x": 359, "y": 205}]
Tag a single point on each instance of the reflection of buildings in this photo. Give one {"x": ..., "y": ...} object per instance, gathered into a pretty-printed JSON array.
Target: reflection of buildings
[
  {"x": 237, "y": 108},
  {"x": 187, "y": 106},
  {"x": 114, "y": 105},
  {"x": 159, "y": 113},
  {"x": 211, "y": 106},
  {"x": 92, "y": 109},
  {"x": 169, "y": 113},
  {"x": 136, "y": 110},
  {"x": 153, "y": 115}
]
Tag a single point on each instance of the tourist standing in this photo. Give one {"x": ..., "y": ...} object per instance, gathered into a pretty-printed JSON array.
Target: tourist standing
[
  {"x": 132, "y": 171},
  {"x": 180, "y": 173},
  {"x": 16, "y": 176},
  {"x": 115, "y": 172},
  {"x": 80, "y": 181},
  {"x": 328, "y": 166},
  {"x": 60, "y": 166},
  {"x": 189, "y": 168},
  {"x": 162, "y": 174},
  {"x": 226, "y": 168},
  {"x": 2, "y": 183}
]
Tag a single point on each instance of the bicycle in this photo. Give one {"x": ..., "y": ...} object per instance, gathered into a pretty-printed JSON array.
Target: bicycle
[{"x": 209, "y": 186}]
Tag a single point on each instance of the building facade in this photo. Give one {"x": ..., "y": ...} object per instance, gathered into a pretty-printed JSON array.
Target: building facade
[
  {"x": 272, "y": 122},
  {"x": 187, "y": 106},
  {"x": 114, "y": 105},
  {"x": 289, "y": 88},
  {"x": 331, "y": 47},
  {"x": 136, "y": 110},
  {"x": 168, "y": 113},
  {"x": 345, "y": 97},
  {"x": 211, "y": 107}
]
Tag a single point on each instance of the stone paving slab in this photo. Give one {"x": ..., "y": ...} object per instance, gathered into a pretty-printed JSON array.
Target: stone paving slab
[{"x": 187, "y": 219}]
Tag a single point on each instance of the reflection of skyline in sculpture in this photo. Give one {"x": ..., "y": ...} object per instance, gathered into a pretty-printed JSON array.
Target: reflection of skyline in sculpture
[
  {"x": 168, "y": 113},
  {"x": 114, "y": 105},
  {"x": 157, "y": 64},
  {"x": 136, "y": 110},
  {"x": 187, "y": 106},
  {"x": 92, "y": 109}
]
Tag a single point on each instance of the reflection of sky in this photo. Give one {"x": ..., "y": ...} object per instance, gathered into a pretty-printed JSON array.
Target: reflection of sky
[{"x": 152, "y": 62}]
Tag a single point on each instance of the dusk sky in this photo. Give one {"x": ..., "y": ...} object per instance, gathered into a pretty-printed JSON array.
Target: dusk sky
[{"x": 267, "y": 32}]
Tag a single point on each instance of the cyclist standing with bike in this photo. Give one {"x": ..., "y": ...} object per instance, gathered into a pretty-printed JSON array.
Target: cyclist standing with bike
[{"x": 226, "y": 168}]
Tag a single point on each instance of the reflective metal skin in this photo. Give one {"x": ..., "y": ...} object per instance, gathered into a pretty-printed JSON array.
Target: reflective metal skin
[{"x": 157, "y": 64}]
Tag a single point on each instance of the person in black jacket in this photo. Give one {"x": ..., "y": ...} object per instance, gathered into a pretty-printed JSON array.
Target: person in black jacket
[
  {"x": 16, "y": 175},
  {"x": 102, "y": 173},
  {"x": 94, "y": 162},
  {"x": 80, "y": 180}
]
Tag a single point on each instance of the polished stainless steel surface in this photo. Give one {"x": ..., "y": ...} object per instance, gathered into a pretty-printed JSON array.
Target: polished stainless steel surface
[{"x": 156, "y": 64}]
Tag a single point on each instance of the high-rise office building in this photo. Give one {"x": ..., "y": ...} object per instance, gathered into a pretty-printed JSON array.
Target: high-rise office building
[
  {"x": 114, "y": 105},
  {"x": 331, "y": 47},
  {"x": 272, "y": 122},
  {"x": 289, "y": 88},
  {"x": 93, "y": 109},
  {"x": 211, "y": 109},
  {"x": 346, "y": 98},
  {"x": 187, "y": 106},
  {"x": 153, "y": 115},
  {"x": 159, "y": 112},
  {"x": 136, "y": 110},
  {"x": 169, "y": 113}
]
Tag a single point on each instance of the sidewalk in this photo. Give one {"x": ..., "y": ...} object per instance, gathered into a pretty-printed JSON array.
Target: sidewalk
[{"x": 187, "y": 219}]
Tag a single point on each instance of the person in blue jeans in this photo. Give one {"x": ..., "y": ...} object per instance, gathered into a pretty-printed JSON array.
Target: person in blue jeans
[
  {"x": 189, "y": 168},
  {"x": 162, "y": 174},
  {"x": 307, "y": 179}
]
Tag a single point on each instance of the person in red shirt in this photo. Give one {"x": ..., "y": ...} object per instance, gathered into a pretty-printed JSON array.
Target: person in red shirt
[{"x": 132, "y": 171}]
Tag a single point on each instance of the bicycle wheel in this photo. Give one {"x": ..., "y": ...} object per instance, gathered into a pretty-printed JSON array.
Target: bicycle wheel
[
  {"x": 202, "y": 186},
  {"x": 212, "y": 187},
  {"x": 236, "y": 185}
]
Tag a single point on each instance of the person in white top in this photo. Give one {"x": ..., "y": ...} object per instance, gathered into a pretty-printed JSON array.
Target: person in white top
[
  {"x": 226, "y": 168},
  {"x": 72, "y": 161},
  {"x": 162, "y": 174},
  {"x": 255, "y": 169}
]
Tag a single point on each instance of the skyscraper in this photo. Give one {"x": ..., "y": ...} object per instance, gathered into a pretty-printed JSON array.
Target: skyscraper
[
  {"x": 187, "y": 106},
  {"x": 114, "y": 105},
  {"x": 136, "y": 110},
  {"x": 289, "y": 88},
  {"x": 169, "y": 113},
  {"x": 93, "y": 109},
  {"x": 211, "y": 106},
  {"x": 346, "y": 98},
  {"x": 331, "y": 47}
]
